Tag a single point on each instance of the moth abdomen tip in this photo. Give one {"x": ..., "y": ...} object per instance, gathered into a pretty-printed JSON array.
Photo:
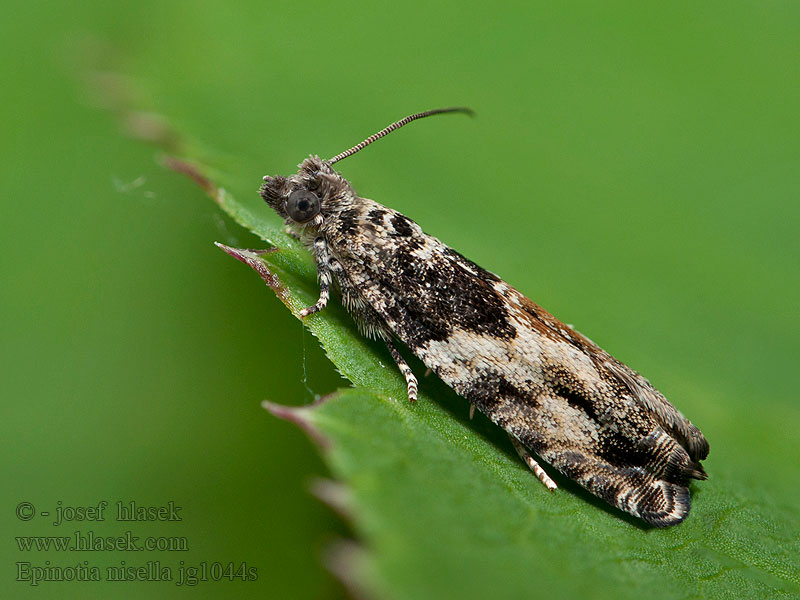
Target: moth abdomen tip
[{"x": 667, "y": 505}]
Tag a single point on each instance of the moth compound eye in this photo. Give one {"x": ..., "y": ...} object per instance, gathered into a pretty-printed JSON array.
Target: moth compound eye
[{"x": 302, "y": 205}]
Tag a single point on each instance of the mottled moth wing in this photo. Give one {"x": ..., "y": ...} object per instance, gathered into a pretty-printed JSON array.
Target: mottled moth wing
[
  {"x": 585, "y": 413},
  {"x": 601, "y": 424}
]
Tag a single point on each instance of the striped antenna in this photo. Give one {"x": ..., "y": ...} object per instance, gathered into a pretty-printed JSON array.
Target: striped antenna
[{"x": 398, "y": 125}]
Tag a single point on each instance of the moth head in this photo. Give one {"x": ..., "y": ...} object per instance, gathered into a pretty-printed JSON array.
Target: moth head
[{"x": 299, "y": 198}]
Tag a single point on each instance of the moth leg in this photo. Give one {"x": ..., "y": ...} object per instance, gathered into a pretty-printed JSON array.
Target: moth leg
[
  {"x": 322, "y": 258},
  {"x": 532, "y": 464},
  {"x": 411, "y": 381},
  {"x": 472, "y": 412}
]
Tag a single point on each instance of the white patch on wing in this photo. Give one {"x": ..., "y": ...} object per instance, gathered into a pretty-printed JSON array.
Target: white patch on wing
[
  {"x": 464, "y": 354},
  {"x": 570, "y": 424}
]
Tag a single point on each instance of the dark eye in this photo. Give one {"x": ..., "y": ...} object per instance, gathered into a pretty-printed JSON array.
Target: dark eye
[{"x": 302, "y": 205}]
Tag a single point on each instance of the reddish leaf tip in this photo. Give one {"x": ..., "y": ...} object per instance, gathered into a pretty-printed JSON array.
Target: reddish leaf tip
[
  {"x": 335, "y": 494},
  {"x": 252, "y": 259},
  {"x": 300, "y": 416},
  {"x": 192, "y": 172},
  {"x": 346, "y": 559}
]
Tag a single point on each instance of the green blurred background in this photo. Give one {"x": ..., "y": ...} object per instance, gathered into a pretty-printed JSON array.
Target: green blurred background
[{"x": 634, "y": 168}]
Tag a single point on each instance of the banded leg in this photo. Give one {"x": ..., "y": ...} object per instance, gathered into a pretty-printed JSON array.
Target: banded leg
[
  {"x": 411, "y": 381},
  {"x": 532, "y": 464},
  {"x": 322, "y": 258}
]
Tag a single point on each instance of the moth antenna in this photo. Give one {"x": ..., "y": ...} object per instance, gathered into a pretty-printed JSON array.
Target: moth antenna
[{"x": 398, "y": 125}]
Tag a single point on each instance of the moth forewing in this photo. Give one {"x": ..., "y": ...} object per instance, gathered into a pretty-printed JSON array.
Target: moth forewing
[{"x": 554, "y": 391}]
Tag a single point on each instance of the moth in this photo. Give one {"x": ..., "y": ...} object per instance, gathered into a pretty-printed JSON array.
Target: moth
[{"x": 554, "y": 391}]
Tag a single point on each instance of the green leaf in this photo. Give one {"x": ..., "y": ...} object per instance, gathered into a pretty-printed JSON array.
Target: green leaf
[
  {"x": 443, "y": 508},
  {"x": 446, "y": 512}
]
